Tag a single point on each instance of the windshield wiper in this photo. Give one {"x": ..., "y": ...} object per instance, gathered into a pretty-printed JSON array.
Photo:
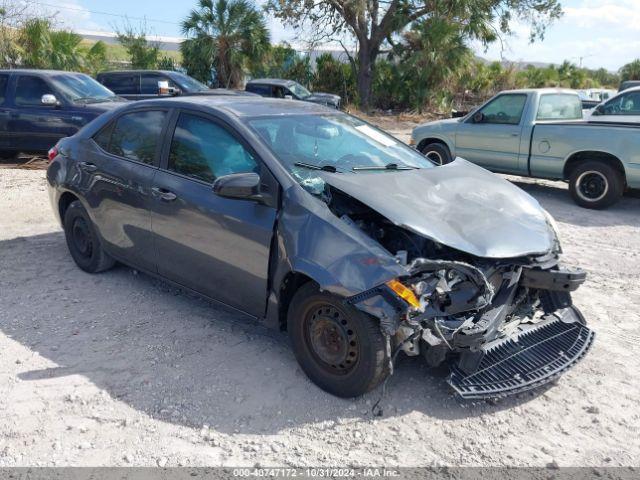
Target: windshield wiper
[
  {"x": 388, "y": 166},
  {"x": 91, "y": 100},
  {"x": 325, "y": 168}
]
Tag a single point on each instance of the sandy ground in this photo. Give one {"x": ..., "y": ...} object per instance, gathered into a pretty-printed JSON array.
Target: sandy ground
[{"x": 121, "y": 369}]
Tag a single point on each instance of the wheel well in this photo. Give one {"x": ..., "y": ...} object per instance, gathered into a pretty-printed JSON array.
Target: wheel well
[
  {"x": 574, "y": 160},
  {"x": 290, "y": 285},
  {"x": 426, "y": 141},
  {"x": 65, "y": 200}
]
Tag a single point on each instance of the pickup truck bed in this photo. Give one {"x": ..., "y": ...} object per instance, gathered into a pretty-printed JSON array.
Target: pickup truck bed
[{"x": 541, "y": 133}]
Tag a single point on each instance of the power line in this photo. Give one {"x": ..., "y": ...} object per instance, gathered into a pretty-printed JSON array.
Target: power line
[{"x": 144, "y": 19}]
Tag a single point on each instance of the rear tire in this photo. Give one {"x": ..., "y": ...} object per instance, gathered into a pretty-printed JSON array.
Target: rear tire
[
  {"x": 83, "y": 241},
  {"x": 437, "y": 153},
  {"x": 596, "y": 185},
  {"x": 341, "y": 349},
  {"x": 8, "y": 154}
]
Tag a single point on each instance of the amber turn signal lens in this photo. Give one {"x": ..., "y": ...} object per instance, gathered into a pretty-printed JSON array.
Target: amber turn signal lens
[{"x": 404, "y": 292}]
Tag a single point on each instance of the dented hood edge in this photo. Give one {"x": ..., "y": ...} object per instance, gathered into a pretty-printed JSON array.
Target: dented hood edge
[{"x": 459, "y": 205}]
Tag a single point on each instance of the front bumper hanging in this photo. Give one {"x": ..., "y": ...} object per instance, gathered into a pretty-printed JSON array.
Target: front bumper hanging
[{"x": 533, "y": 358}]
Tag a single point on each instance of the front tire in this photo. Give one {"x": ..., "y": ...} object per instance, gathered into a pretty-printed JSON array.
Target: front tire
[
  {"x": 596, "y": 185},
  {"x": 341, "y": 349},
  {"x": 83, "y": 241},
  {"x": 437, "y": 153}
]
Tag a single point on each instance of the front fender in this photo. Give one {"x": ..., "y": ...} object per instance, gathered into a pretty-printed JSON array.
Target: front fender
[
  {"x": 312, "y": 241},
  {"x": 442, "y": 130}
]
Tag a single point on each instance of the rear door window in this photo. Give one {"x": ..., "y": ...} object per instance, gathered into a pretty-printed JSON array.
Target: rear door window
[
  {"x": 505, "y": 109},
  {"x": 122, "y": 84},
  {"x": 4, "y": 81},
  {"x": 625, "y": 104},
  {"x": 204, "y": 150},
  {"x": 263, "y": 90},
  {"x": 134, "y": 136},
  {"x": 559, "y": 106},
  {"x": 30, "y": 89}
]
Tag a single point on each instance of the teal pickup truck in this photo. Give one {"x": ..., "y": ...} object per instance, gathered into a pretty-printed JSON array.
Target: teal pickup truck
[{"x": 541, "y": 133}]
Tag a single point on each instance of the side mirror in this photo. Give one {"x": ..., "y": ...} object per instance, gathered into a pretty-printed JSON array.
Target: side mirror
[
  {"x": 49, "y": 100},
  {"x": 242, "y": 186},
  {"x": 478, "y": 117},
  {"x": 599, "y": 110},
  {"x": 164, "y": 90},
  {"x": 288, "y": 97}
]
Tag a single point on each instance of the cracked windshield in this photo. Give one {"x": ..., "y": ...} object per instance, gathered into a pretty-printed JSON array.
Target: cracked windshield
[{"x": 333, "y": 143}]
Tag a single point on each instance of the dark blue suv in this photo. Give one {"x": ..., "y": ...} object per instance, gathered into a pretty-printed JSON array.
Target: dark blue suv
[{"x": 39, "y": 107}]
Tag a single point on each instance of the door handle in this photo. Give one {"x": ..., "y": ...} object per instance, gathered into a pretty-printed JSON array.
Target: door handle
[
  {"x": 515, "y": 134},
  {"x": 88, "y": 166},
  {"x": 164, "y": 194}
]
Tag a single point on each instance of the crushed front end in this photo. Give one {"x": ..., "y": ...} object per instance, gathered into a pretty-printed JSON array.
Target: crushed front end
[
  {"x": 503, "y": 326},
  {"x": 475, "y": 292}
]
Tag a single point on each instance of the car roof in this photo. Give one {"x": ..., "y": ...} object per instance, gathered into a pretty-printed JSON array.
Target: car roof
[
  {"x": 622, "y": 92},
  {"x": 165, "y": 72},
  {"x": 33, "y": 71},
  {"x": 241, "y": 106},
  {"x": 542, "y": 90},
  {"x": 272, "y": 81}
]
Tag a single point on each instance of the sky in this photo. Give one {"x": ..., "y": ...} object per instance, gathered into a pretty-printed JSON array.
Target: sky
[{"x": 594, "y": 33}]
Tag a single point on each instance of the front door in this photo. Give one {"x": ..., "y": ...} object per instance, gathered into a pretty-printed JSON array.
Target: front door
[
  {"x": 37, "y": 127},
  {"x": 216, "y": 246},
  {"x": 494, "y": 141},
  {"x": 116, "y": 168}
]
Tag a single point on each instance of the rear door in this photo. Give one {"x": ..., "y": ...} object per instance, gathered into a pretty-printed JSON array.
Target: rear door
[
  {"x": 216, "y": 246},
  {"x": 5, "y": 133},
  {"x": 117, "y": 168},
  {"x": 126, "y": 85},
  {"x": 494, "y": 142}
]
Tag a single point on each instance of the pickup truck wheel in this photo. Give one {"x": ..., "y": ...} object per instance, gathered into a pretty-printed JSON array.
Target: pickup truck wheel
[
  {"x": 437, "y": 153},
  {"x": 83, "y": 242},
  {"x": 341, "y": 349},
  {"x": 596, "y": 185}
]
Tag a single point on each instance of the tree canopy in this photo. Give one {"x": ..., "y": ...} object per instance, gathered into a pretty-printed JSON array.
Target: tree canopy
[
  {"x": 374, "y": 23},
  {"x": 224, "y": 35}
]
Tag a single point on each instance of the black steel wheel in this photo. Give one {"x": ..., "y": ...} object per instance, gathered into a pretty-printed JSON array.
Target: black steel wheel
[
  {"x": 83, "y": 241},
  {"x": 596, "y": 184},
  {"x": 331, "y": 338},
  {"x": 341, "y": 349}
]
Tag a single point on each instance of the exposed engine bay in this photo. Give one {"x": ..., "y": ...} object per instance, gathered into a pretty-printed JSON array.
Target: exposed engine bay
[{"x": 504, "y": 325}]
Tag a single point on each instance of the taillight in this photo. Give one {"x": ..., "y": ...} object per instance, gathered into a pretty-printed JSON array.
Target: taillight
[{"x": 52, "y": 153}]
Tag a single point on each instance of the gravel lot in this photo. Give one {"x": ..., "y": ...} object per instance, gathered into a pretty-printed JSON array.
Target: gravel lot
[{"x": 122, "y": 369}]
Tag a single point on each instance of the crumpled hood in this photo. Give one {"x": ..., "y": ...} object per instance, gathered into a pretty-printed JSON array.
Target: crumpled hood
[{"x": 459, "y": 205}]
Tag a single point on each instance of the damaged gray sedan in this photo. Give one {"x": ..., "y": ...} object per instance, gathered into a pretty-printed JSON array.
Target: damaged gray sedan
[{"x": 322, "y": 225}]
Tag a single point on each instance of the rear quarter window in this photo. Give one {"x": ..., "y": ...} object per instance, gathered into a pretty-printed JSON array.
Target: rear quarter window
[
  {"x": 134, "y": 136},
  {"x": 559, "y": 106}
]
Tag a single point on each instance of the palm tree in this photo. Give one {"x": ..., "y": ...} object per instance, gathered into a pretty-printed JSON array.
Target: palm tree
[
  {"x": 630, "y": 71},
  {"x": 224, "y": 36},
  {"x": 42, "y": 47},
  {"x": 433, "y": 52}
]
